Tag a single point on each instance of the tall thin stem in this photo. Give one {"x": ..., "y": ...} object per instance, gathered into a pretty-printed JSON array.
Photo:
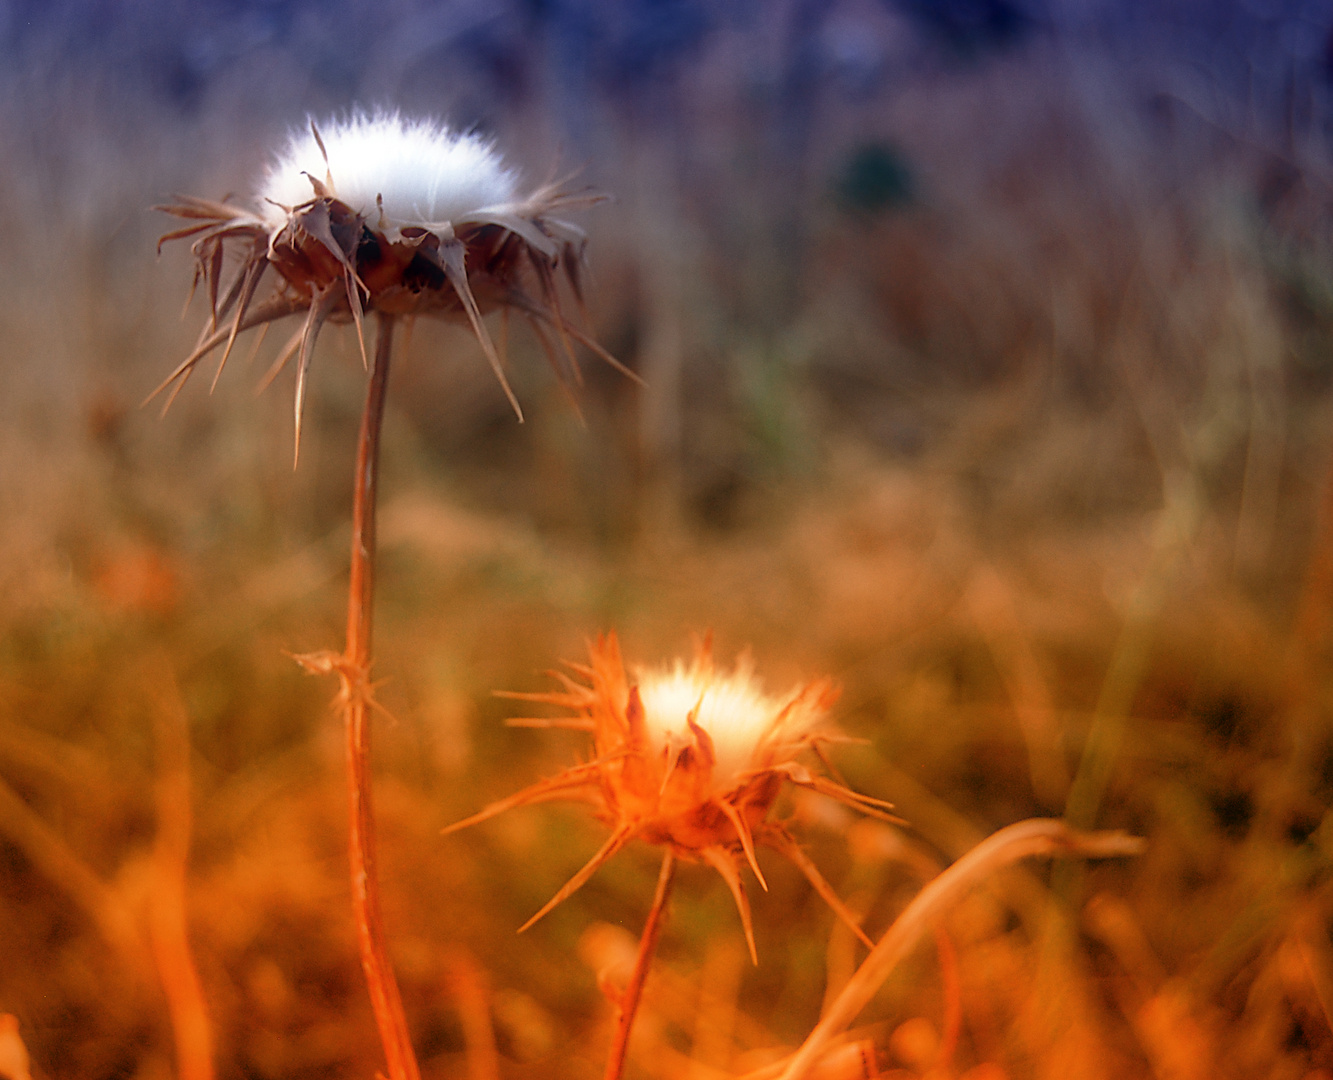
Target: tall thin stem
[
  {"x": 383, "y": 987},
  {"x": 629, "y": 1001}
]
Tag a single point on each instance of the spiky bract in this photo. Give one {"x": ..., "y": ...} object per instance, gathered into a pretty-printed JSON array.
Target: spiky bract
[
  {"x": 689, "y": 757},
  {"x": 387, "y": 215}
]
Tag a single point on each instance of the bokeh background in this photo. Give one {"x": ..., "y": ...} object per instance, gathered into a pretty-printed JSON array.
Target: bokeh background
[{"x": 987, "y": 346}]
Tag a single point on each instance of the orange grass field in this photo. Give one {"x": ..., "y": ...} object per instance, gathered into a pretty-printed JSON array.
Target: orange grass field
[{"x": 992, "y": 380}]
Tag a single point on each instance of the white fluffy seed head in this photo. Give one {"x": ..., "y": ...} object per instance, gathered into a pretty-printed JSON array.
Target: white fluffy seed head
[
  {"x": 738, "y": 716},
  {"x": 426, "y": 174}
]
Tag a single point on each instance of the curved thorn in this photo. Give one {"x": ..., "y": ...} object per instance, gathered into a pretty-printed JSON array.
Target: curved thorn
[
  {"x": 175, "y": 392},
  {"x": 257, "y": 344},
  {"x": 266, "y": 312},
  {"x": 189, "y": 297},
  {"x": 519, "y": 226},
  {"x": 551, "y": 358},
  {"x": 320, "y": 307},
  {"x": 614, "y": 843},
  {"x": 288, "y": 351},
  {"x": 722, "y": 862},
  {"x": 551, "y": 295},
  {"x": 249, "y": 284},
  {"x": 526, "y": 304},
  {"x": 785, "y": 845},
  {"x": 592, "y": 346},
  {"x": 865, "y": 804},
  {"x": 183, "y": 234},
  {"x": 572, "y": 260},
  {"x": 554, "y": 361},
  {"x": 553, "y": 787},
  {"x": 817, "y": 748},
  {"x": 212, "y": 275},
  {"x": 738, "y": 823},
  {"x": 573, "y": 700},
  {"x": 673, "y": 759},
  {"x": 353, "y": 284},
  {"x": 451, "y": 256}
]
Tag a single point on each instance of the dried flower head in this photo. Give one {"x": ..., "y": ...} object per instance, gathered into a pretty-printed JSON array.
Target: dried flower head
[
  {"x": 689, "y": 757},
  {"x": 380, "y": 213}
]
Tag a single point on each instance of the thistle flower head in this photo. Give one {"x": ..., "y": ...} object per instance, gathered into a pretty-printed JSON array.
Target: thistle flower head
[
  {"x": 398, "y": 172},
  {"x": 689, "y": 757},
  {"x": 400, "y": 217},
  {"x": 748, "y": 729}
]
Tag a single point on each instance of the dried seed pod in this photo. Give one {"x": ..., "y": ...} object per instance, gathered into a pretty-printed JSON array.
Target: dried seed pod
[{"x": 378, "y": 213}]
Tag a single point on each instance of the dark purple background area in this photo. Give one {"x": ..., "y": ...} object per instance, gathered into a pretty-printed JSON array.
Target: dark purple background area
[{"x": 482, "y": 59}]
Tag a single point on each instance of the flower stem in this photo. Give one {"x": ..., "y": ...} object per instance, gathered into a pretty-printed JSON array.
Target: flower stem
[
  {"x": 629, "y": 1002},
  {"x": 383, "y": 987}
]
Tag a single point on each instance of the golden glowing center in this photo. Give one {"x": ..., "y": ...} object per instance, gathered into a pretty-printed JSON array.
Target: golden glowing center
[{"x": 735, "y": 712}]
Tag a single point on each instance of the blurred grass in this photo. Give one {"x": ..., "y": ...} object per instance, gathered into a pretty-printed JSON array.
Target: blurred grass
[{"x": 1035, "y": 462}]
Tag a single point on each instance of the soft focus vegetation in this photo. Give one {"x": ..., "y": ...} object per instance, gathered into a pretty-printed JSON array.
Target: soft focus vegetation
[{"x": 989, "y": 363}]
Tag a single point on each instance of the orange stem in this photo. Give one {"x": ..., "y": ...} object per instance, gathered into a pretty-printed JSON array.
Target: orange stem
[
  {"x": 385, "y": 1000},
  {"x": 629, "y": 1001}
]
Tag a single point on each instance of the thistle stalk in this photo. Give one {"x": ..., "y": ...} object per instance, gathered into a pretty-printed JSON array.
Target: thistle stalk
[
  {"x": 643, "y": 960},
  {"x": 393, "y": 216},
  {"x": 385, "y": 999}
]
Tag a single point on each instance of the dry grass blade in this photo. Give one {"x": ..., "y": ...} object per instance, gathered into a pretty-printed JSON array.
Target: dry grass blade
[
  {"x": 48, "y": 851},
  {"x": 471, "y": 990},
  {"x": 168, "y": 923},
  {"x": 1039, "y": 836},
  {"x": 853, "y": 1059},
  {"x": 14, "y": 1061}
]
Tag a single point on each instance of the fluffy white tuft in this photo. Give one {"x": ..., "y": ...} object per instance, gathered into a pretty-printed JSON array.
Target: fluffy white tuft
[
  {"x": 426, "y": 173},
  {"x": 733, "y": 709}
]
